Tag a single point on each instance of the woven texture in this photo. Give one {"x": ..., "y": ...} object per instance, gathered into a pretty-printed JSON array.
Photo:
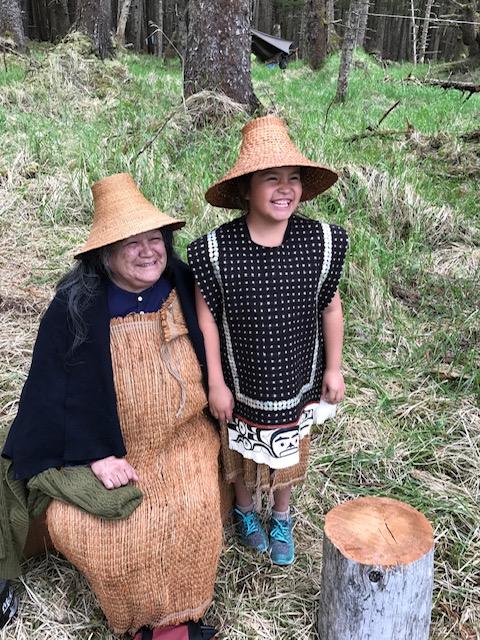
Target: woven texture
[
  {"x": 259, "y": 477},
  {"x": 157, "y": 567},
  {"x": 266, "y": 144},
  {"x": 121, "y": 211}
]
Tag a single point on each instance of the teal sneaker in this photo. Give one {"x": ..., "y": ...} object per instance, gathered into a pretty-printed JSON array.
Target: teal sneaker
[
  {"x": 282, "y": 546},
  {"x": 251, "y": 532}
]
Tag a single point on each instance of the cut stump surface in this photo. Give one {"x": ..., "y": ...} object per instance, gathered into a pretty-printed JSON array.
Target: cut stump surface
[
  {"x": 379, "y": 531},
  {"x": 377, "y": 575}
]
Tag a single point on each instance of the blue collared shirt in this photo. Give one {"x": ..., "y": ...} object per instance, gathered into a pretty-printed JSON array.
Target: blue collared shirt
[{"x": 121, "y": 302}]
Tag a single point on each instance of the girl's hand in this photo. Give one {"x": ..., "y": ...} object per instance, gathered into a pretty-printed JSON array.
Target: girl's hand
[
  {"x": 114, "y": 472},
  {"x": 221, "y": 402},
  {"x": 333, "y": 386}
]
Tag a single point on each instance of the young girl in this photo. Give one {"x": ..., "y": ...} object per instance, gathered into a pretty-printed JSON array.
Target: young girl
[{"x": 270, "y": 313}]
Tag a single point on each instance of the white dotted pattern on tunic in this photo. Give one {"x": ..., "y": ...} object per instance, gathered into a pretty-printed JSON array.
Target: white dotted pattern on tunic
[
  {"x": 267, "y": 302},
  {"x": 274, "y": 405}
]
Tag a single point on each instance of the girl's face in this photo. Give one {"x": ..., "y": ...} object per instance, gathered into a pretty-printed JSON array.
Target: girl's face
[
  {"x": 274, "y": 194},
  {"x": 139, "y": 261}
]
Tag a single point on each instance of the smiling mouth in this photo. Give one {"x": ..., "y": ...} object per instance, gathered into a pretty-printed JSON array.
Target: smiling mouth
[
  {"x": 147, "y": 264},
  {"x": 284, "y": 204}
]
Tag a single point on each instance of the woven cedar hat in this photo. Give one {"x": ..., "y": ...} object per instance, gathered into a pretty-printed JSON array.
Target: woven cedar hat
[
  {"x": 265, "y": 145},
  {"x": 121, "y": 211}
]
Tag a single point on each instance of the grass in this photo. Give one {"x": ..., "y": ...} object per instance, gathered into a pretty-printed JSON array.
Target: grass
[{"x": 410, "y": 426}]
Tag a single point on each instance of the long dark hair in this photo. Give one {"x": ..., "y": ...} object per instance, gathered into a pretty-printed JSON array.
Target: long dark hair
[{"x": 83, "y": 282}]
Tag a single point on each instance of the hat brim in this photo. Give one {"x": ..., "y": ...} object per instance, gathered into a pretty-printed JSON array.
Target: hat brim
[
  {"x": 103, "y": 237},
  {"x": 315, "y": 180}
]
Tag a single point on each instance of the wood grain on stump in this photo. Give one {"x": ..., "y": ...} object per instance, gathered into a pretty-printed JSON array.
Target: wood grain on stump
[{"x": 377, "y": 575}]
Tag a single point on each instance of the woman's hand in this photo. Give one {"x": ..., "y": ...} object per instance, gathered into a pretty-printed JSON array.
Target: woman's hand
[
  {"x": 333, "y": 386},
  {"x": 114, "y": 472},
  {"x": 221, "y": 402}
]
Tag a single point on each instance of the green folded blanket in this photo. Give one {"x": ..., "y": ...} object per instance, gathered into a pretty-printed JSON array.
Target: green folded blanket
[{"x": 21, "y": 501}]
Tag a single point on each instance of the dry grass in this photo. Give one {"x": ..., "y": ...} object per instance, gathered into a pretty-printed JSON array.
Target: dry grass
[
  {"x": 398, "y": 211},
  {"x": 68, "y": 77},
  {"x": 212, "y": 107},
  {"x": 458, "y": 260},
  {"x": 410, "y": 426}
]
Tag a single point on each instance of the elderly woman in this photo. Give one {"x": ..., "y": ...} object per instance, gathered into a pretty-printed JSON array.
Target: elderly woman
[{"x": 116, "y": 383}]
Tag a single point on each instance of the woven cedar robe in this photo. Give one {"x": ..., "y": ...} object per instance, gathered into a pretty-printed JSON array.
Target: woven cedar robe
[
  {"x": 158, "y": 566},
  {"x": 267, "y": 302}
]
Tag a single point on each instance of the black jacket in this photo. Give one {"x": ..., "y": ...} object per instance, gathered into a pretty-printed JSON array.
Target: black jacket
[{"x": 68, "y": 411}]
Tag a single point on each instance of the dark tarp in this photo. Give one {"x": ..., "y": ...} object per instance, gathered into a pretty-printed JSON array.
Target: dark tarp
[{"x": 266, "y": 46}]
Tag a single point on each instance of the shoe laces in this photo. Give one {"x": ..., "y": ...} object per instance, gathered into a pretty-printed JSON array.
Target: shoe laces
[
  {"x": 281, "y": 531},
  {"x": 250, "y": 522}
]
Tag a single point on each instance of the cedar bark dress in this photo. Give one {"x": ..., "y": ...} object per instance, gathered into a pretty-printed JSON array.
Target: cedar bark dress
[{"x": 157, "y": 567}]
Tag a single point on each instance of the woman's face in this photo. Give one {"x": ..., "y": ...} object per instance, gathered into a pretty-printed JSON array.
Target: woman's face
[{"x": 138, "y": 262}]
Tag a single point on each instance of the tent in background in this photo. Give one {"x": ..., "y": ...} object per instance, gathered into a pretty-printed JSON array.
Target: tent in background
[{"x": 265, "y": 46}]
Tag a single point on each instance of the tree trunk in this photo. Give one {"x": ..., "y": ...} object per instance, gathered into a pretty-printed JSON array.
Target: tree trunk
[
  {"x": 11, "y": 24},
  {"x": 266, "y": 15},
  {"x": 157, "y": 28},
  {"x": 302, "y": 39},
  {"x": 382, "y": 33},
  {"x": 404, "y": 41},
  {"x": 426, "y": 25},
  {"x": 316, "y": 32},
  {"x": 59, "y": 18},
  {"x": 348, "y": 46},
  {"x": 38, "y": 27},
  {"x": 182, "y": 9},
  {"x": 135, "y": 25},
  {"x": 169, "y": 22},
  {"x": 256, "y": 13},
  {"x": 94, "y": 19},
  {"x": 218, "y": 50},
  {"x": 470, "y": 32},
  {"x": 414, "y": 33},
  {"x": 447, "y": 43},
  {"x": 72, "y": 10},
  {"x": 377, "y": 575},
  {"x": 395, "y": 39},
  {"x": 362, "y": 23},
  {"x": 25, "y": 9},
  {"x": 122, "y": 22},
  {"x": 288, "y": 29},
  {"x": 436, "y": 42},
  {"x": 330, "y": 11}
]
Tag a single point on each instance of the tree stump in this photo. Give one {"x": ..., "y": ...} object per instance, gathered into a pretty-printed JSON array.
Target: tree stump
[{"x": 377, "y": 575}]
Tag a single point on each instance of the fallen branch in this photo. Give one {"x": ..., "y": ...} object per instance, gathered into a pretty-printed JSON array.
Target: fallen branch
[
  {"x": 328, "y": 111},
  {"x": 387, "y": 112},
  {"x": 157, "y": 133},
  {"x": 464, "y": 87},
  {"x": 381, "y": 133},
  {"x": 471, "y": 136}
]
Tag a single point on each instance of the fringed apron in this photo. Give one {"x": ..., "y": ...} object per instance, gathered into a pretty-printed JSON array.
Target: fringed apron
[
  {"x": 260, "y": 477},
  {"x": 158, "y": 566}
]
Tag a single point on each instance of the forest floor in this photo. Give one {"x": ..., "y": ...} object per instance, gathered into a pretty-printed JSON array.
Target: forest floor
[{"x": 410, "y": 425}]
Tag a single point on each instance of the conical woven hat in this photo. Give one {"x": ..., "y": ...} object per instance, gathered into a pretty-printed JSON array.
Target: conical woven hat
[
  {"x": 265, "y": 145},
  {"x": 121, "y": 211}
]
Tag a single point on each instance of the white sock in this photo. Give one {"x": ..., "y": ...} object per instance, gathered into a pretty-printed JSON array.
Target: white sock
[
  {"x": 245, "y": 509},
  {"x": 281, "y": 515}
]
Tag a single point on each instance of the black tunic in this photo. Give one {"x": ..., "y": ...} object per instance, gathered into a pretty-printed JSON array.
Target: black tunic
[{"x": 267, "y": 302}]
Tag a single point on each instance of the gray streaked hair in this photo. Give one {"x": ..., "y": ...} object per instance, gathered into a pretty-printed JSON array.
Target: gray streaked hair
[{"x": 80, "y": 286}]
